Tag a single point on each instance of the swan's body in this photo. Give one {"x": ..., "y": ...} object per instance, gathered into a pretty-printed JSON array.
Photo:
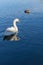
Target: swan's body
[{"x": 14, "y": 28}]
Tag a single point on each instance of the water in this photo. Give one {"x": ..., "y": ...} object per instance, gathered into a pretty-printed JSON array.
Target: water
[{"x": 29, "y": 49}]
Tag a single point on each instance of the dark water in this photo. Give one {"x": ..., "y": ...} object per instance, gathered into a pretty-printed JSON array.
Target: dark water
[{"x": 29, "y": 49}]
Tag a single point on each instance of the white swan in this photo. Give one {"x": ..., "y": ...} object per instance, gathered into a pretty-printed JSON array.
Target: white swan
[{"x": 14, "y": 28}]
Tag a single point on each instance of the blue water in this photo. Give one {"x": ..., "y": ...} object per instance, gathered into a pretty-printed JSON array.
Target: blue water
[{"x": 29, "y": 49}]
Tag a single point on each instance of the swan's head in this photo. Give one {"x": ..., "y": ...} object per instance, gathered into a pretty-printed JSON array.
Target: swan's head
[{"x": 16, "y": 20}]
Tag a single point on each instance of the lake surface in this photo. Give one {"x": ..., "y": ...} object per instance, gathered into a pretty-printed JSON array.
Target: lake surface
[{"x": 29, "y": 49}]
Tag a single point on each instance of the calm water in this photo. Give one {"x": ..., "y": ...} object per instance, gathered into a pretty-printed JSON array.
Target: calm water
[{"x": 29, "y": 49}]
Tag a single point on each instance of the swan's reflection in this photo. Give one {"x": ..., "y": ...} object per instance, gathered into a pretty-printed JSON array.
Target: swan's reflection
[{"x": 11, "y": 37}]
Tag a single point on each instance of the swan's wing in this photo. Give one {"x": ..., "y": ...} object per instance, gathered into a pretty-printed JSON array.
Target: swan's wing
[{"x": 9, "y": 31}]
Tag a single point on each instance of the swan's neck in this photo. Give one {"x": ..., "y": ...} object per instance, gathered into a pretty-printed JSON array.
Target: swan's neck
[{"x": 15, "y": 26}]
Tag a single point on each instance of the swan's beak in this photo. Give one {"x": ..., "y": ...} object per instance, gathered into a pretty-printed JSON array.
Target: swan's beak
[{"x": 19, "y": 21}]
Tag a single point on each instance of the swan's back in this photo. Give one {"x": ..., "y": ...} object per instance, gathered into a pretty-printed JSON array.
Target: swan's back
[{"x": 11, "y": 29}]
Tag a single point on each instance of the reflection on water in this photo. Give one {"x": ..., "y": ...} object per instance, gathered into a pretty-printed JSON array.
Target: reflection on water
[{"x": 11, "y": 37}]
